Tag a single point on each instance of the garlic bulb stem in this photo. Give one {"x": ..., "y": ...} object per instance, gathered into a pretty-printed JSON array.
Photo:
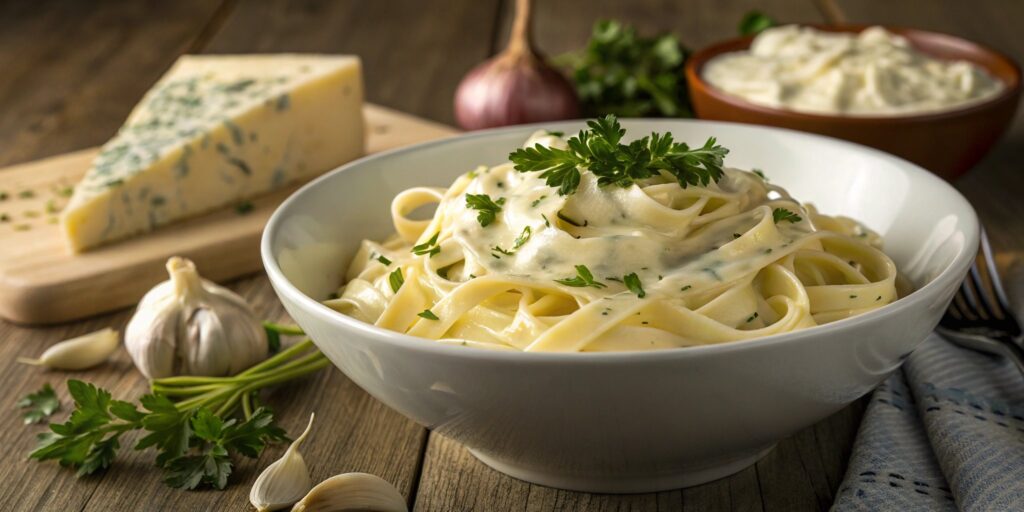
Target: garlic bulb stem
[
  {"x": 285, "y": 480},
  {"x": 184, "y": 276},
  {"x": 78, "y": 353}
]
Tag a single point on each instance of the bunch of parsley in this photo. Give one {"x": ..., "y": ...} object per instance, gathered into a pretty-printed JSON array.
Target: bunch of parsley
[
  {"x": 196, "y": 437},
  {"x": 620, "y": 72},
  {"x": 623, "y": 73}
]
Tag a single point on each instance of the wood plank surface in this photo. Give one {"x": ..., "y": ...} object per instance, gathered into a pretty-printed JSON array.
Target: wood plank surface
[
  {"x": 41, "y": 282},
  {"x": 71, "y": 92}
]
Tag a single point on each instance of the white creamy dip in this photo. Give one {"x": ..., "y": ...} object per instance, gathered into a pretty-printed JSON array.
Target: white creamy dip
[{"x": 871, "y": 73}]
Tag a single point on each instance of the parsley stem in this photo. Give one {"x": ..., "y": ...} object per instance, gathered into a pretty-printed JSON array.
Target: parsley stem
[
  {"x": 290, "y": 330},
  {"x": 279, "y": 358},
  {"x": 204, "y": 384},
  {"x": 247, "y": 405}
]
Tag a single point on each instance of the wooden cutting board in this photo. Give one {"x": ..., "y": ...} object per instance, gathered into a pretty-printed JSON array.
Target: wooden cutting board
[{"x": 41, "y": 282}]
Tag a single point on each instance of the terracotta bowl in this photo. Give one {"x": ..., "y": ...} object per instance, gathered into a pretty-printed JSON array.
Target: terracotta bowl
[{"x": 947, "y": 143}]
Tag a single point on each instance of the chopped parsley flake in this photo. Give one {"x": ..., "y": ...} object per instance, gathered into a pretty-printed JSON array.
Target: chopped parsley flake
[
  {"x": 784, "y": 215},
  {"x": 759, "y": 174},
  {"x": 687, "y": 287},
  {"x": 522, "y": 238},
  {"x": 396, "y": 280},
  {"x": 384, "y": 261},
  {"x": 537, "y": 201},
  {"x": 26, "y": 194},
  {"x": 752, "y": 317},
  {"x": 632, "y": 282},
  {"x": 583, "y": 279},
  {"x": 244, "y": 207},
  {"x": 428, "y": 314},
  {"x": 570, "y": 221},
  {"x": 429, "y": 247},
  {"x": 546, "y": 223}
]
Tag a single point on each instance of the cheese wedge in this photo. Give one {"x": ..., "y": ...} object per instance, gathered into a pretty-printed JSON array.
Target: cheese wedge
[{"x": 213, "y": 131}]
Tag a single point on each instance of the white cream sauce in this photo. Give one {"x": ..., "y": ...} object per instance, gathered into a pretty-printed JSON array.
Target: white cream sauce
[
  {"x": 673, "y": 238},
  {"x": 871, "y": 73}
]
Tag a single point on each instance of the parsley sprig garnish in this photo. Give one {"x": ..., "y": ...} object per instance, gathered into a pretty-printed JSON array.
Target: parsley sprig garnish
[
  {"x": 487, "y": 207},
  {"x": 601, "y": 151},
  {"x": 39, "y": 405},
  {"x": 196, "y": 437},
  {"x": 784, "y": 215},
  {"x": 582, "y": 279}
]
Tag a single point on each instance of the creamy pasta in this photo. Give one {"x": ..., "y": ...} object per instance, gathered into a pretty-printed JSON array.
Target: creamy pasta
[{"x": 651, "y": 265}]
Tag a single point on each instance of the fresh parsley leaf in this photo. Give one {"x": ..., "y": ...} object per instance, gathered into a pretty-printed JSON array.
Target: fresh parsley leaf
[
  {"x": 213, "y": 442},
  {"x": 211, "y": 467},
  {"x": 428, "y": 314},
  {"x": 620, "y": 72},
  {"x": 600, "y": 150},
  {"x": 487, "y": 207},
  {"x": 582, "y": 279},
  {"x": 754, "y": 22},
  {"x": 396, "y": 280},
  {"x": 522, "y": 238},
  {"x": 40, "y": 405},
  {"x": 632, "y": 282},
  {"x": 169, "y": 429},
  {"x": 251, "y": 436},
  {"x": 429, "y": 247},
  {"x": 784, "y": 215},
  {"x": 88, "y": 440}
]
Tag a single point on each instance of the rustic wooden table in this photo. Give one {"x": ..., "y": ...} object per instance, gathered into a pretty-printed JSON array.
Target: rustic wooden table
[{"x": 71, "y": 70}]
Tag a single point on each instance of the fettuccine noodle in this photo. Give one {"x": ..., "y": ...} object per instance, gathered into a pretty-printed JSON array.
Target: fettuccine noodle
[{"x": 713, "y": 263}]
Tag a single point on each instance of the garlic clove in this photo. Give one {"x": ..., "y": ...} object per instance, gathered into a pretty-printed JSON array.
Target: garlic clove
[
  {"x": 351, "y": 492},
  {"x": 78, "y": 353},
  {"x": 284, "y": 481}
]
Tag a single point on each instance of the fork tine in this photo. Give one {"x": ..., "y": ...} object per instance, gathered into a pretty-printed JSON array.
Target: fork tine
[
  {"x": 997, "y": 283},
  {"x": 986, "y": 307},
  {"x": 962, "y": 305},
  {"x": 971, "y": 297}
]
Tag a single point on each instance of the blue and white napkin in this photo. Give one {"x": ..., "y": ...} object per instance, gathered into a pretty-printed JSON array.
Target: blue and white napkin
[{"x": 946, "y": 432}]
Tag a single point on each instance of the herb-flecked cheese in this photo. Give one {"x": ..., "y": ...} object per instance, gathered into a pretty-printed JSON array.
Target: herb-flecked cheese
[{"x": 214, "y": 130}]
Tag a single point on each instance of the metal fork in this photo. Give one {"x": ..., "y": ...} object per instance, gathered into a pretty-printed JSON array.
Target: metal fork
[{"x": 980, "y": 317}]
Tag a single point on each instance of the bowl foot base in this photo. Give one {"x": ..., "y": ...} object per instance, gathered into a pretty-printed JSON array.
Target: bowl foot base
[{"x": 625, "y": 483}]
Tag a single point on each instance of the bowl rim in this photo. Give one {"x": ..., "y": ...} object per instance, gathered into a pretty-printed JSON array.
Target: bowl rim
[
  {"x": 695, "y": 64},
  {"x": 283, "y": 286}
]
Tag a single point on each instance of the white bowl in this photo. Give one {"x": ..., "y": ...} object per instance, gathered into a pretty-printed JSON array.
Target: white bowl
[{"x": 640, "y": 421}]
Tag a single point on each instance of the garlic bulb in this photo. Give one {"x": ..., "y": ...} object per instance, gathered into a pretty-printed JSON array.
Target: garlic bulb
[
  {"x": 190, "y": 326},
  {"x": 285, "y": 481},
  {"x": 353, "y": 491},
  {"x": 78, "y": 353}
]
